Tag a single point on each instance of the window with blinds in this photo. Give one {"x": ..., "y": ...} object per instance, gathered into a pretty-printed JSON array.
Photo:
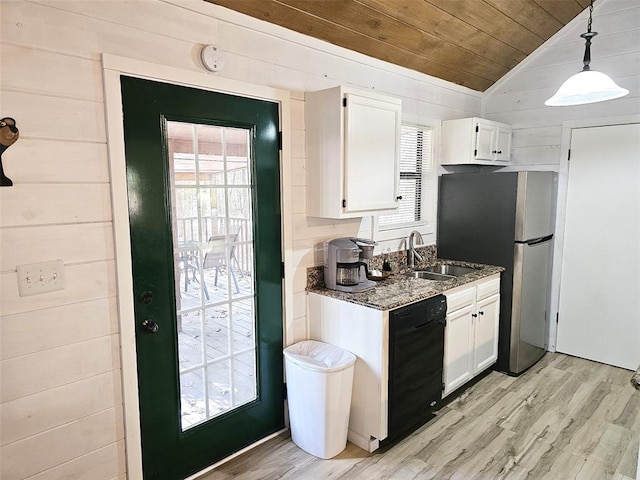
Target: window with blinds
[{"x": 416, "y": 173}]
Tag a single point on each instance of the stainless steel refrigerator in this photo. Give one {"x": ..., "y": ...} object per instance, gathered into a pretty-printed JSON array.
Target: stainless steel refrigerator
[{"x": 506, "y": 219}]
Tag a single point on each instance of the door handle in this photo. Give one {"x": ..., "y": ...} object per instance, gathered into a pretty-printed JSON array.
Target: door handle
[{"x": 150, "y": 326}]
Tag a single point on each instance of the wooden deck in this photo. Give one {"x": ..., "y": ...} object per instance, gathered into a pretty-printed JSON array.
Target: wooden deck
[
  {"x": 215, "y": 346},
  {"x": 566, "y": 418}
]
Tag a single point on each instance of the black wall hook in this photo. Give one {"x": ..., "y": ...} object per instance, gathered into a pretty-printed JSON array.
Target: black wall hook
[{"x": 9, "y": 134}]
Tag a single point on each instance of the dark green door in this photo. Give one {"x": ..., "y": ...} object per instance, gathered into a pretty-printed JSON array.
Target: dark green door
[{"x": 204, "y": 209}]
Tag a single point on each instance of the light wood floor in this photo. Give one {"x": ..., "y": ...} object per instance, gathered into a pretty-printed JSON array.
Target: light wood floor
[{"x": 566, "y": 418}]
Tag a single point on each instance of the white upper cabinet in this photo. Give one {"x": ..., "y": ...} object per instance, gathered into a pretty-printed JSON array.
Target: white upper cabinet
[
  {"x": 352, "y": 153},
  {"x": 475, "y": 141}
]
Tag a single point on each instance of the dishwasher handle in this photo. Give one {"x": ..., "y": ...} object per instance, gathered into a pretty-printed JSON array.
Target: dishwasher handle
[{"x": 428, "y": 323}]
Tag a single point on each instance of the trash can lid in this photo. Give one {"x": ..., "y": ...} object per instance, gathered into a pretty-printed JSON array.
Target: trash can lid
[{"x": 319, "y": 356}]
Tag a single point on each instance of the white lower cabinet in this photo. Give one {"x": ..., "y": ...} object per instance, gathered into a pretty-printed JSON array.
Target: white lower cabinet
[
  {"x": 471, "y": 345},
  {"x": 364, "y": 332},
  {"x": 471, "y": 333}
]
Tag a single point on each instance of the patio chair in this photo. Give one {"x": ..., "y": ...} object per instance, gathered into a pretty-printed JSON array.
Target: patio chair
[
  {"x": 188, "y": 261},
  {"x": 216, "y": 257}
]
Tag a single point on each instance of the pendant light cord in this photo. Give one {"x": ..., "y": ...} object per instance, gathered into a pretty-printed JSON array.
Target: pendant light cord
[{"x": 588, "y": 36}]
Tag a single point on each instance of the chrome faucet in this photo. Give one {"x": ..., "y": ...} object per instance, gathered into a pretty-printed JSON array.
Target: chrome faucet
[{"x": 412, "y": 254}]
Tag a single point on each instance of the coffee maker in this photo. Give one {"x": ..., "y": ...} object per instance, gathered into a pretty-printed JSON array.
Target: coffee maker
[
  {"x": 366, "y": 247},
  {"x": 343, "y": 268}
]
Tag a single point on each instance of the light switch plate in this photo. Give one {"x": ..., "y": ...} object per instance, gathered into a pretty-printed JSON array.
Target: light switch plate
[{"x": 40, "y": 277}]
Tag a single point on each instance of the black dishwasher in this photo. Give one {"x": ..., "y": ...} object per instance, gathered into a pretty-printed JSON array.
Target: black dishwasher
[{"x": 416, "y": 352}]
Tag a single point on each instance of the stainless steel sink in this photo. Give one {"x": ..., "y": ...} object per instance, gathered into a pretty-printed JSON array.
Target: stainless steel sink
[
  {"x": 451, "y": 270},
  {"x": 440, "y": 272},
  {"x": 428, "y": 275}
]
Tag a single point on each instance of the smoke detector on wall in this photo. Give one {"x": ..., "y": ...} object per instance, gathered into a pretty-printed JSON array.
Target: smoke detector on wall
[{"x": 212, "y": 58}]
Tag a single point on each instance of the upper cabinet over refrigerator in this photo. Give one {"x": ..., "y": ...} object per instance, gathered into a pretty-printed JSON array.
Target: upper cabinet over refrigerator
[
  {"x": 475, "y": 141},
  {"x": 352, "y": 153}
]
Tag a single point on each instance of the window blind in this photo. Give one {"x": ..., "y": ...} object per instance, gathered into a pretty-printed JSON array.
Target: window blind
[{"x": 416, "y": 169}]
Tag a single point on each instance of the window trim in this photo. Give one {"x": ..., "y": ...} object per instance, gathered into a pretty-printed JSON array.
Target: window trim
[{"x": 427, "y": 227}]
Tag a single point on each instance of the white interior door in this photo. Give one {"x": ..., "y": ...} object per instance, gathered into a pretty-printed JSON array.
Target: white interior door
[{"x": 600, "y": 284}]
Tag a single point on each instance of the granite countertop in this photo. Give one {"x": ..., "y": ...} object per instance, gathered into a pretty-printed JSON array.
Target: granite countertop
[{"x": 399, "y": 290}]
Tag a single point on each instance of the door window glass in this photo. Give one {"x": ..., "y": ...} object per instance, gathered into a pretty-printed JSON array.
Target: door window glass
[{"x": 213, "y": 263}]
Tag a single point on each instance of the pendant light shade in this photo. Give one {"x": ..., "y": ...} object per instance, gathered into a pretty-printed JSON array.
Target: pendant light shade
[{"x": 587, "y": 86}]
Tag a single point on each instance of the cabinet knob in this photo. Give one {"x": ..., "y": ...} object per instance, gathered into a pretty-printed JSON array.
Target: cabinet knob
[
  {"x": 481, "y": 313},
  {"x": 494, "y": 151},
  {"x": 474, "y": 315},
  {"x": 399, "y": 197},
  {"x": 499, "y": 152}
]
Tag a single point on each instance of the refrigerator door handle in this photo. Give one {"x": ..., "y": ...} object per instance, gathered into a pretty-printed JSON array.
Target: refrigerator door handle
[{"x": 536, "y": 241}]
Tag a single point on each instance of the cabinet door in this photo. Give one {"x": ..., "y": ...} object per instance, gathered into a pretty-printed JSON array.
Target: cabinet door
[
  {"x": 485, "y": 141},
  {"x": 503, "y": 144},
  {"x": 458, "y": 349},
  {"x": 372, "y": 143},
  {"x": 486, "y": 333}
]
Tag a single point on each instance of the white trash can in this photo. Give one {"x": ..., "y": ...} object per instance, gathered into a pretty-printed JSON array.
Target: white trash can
[{"x": 319, "y": 384}]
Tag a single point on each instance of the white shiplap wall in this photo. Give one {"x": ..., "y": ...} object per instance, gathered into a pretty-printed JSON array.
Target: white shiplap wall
[
  {"x": 518, "y": 98},
  {"x": 61, "y": 410}
]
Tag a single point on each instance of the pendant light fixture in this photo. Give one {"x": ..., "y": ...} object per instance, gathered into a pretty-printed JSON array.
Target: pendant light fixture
[{"x": 587, "y": 86}]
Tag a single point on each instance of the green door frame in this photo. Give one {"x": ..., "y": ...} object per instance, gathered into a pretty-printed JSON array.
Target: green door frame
[{"x": 113, "y": 67}]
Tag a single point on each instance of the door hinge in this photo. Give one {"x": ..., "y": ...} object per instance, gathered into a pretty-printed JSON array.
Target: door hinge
[
  {"x": 557, "y": 317},
  {"x": 344, "y": 102},
  {"x": 344, "y": 204},
  {"x": 443, "y": 387},
  {"x": 569, "y": 156},
  {"x": 281, "y": 269},
  {"x": 280, "y": 141},
  {"x": 477, "y": 128},
  {"x": 284, "y": 390},
  {"x": 475, "y": 153}
]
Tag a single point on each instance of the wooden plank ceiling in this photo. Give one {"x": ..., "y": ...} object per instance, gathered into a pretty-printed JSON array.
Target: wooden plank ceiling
[{"x": 469, "y": 42}]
